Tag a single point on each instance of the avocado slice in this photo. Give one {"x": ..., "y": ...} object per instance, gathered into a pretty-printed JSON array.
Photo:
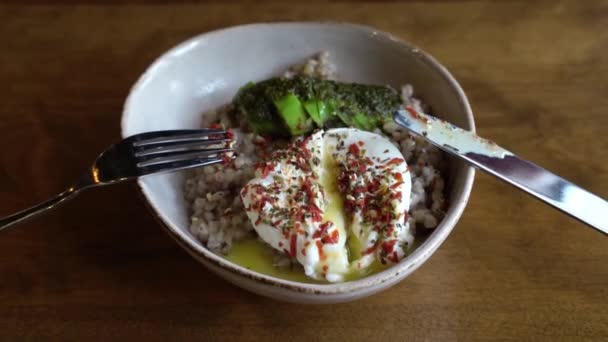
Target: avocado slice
[
  {"x": 294, "y": 116},
  {"x": 294, "y": 106},
  {"x": 317, "y": 110},
  {"x": 363, "y": 121},
  {"x": 260, "y": 113}
]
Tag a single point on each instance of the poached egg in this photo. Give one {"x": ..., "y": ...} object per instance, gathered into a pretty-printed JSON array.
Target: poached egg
[{"x": 336, "y": 201}]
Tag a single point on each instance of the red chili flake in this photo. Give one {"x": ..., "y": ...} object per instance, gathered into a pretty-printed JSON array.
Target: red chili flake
[
  {"x": 266, "y": 170},
  {"x": 354, "y": 149},
  {"x": 331, "y": 239},
  {"x": 321, "y": 231},
  {"x": 387, "y": 217},
  {"x": 303, "y": 152},
  {"x": 277, "y": 223},
  {"x": 305, "y": 140},
  {"x": 215, "y": 125},
  {"x": 394, "y": 257},
  {"x": 280, "y": 244},
  {"x": 395, "y": 161},
  {"x": 388, "y": 246},
  {"x": 298, "y": 214},
  {"x": 358, "y": 190},
  {"x": 316, "y": 213},
  {"x": 390, "y": 229},
  {"x": 370, "y": 249},
  {"x": 259, "y": 220},
  {"x": 349, "y": 207},
  {"x": 325, "y": 268},
  {"x": 307, "y": 188},
  {"x": 396, "y": 185},
  {"x": 322, "y": 255},
  {"x": 229, "y": 134},
  {"x": 226, "y": 159},
  {"x": 263, "y": 201},
  {"x": 292, "y": 245},
  {"x": 415, "y": 114},
  {"x": 375, "y": 184},
  {"x": 398, "y": 176}
]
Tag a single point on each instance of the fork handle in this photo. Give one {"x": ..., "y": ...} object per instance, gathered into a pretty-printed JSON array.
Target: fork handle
[{"x": 9, "y": 221}]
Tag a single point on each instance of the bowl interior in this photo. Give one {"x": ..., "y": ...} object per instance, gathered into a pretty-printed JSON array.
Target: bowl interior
[{"x": 206, "y": 71}]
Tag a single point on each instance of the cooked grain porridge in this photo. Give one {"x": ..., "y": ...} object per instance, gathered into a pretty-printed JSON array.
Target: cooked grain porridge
[{"x": 218, "y": 217}]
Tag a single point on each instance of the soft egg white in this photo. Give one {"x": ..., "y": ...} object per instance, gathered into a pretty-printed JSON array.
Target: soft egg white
[{"x": 327, "y": 240}]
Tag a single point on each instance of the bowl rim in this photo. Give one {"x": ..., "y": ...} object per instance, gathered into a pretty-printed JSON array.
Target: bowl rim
[{"x": 401, "y": 269}]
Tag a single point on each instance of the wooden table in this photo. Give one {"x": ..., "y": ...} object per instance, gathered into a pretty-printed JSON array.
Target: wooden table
[{"x": 513, "y": 269}]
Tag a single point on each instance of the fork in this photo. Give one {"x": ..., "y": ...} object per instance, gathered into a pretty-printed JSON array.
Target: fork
[{"x": 140, "y": 155}]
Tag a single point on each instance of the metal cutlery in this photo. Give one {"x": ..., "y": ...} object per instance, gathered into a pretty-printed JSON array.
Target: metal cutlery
[
  {"x": 140, "y": 155},
  {"x": 527, "y": 176}
]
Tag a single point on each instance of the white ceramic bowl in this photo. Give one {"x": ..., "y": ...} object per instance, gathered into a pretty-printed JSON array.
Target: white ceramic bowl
[{"x": 205, "y": 72}]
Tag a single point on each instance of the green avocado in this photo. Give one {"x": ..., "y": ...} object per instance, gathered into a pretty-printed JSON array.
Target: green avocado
[
  {"x": 298, "y": 105},
  {"x": 294, "y": 116}
]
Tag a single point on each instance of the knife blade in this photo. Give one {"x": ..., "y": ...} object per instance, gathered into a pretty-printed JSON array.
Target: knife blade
[{"x": 486, "y": 155}]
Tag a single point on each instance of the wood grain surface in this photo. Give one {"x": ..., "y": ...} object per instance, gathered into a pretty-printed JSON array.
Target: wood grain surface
[{"x": 101, "y": 268}]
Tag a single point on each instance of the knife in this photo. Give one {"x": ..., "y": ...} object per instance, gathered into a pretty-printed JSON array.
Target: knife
[{"x": 497, "y": 161}]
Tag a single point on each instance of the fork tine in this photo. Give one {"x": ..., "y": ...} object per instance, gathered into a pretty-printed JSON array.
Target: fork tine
[
  {"x": 166, "y": 151},
  {"x": 179, "y": 147},
  {"x": 177, "y": 157},
  {"x": 180, "y": 165},
  {"x": 173, "y": 136}
]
